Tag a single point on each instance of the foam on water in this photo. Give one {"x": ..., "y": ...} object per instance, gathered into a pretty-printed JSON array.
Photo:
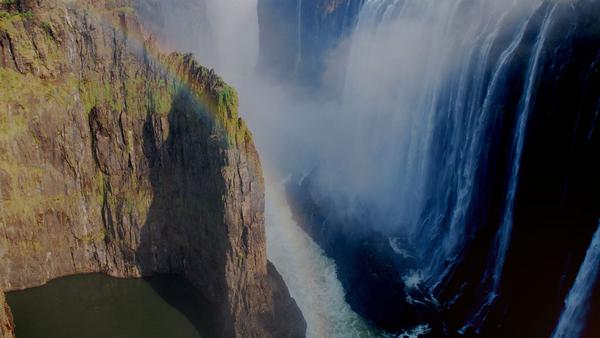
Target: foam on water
[
  {"x": 413, "y": 279},
  {"x": 310, "y": 276},
  {"x": 418, "y": 331},
  {"x": 395, "y": 245}
]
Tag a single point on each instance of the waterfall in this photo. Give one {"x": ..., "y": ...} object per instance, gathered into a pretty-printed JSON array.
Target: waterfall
[
  {"x": 502, "y": 239},
  {"x": 419, "y": 134},
  {"x": 479, "y": 121},
  {"x": 308, "y": 273},
  {"x": 418, "y": 115},
  {"x": 572, "y": 319},
  {"x": 503, "y": 236},
  {"x": 426, "y": 89},
  {"x": 299, "y": 37}
]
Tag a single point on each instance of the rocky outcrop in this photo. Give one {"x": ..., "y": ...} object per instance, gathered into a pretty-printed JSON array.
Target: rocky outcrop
[
  {"x": 6, "y": 321},
  {"x": 116, "y": 158}
]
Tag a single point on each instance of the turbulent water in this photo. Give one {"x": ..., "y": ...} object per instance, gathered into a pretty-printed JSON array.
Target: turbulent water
[
  {"x": 430, "y": 90},
  {"x": 308, "y": 273},
  {"x": 425, "y": 139}
]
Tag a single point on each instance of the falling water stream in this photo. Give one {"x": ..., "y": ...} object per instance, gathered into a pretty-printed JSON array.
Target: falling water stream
[
  {"x": 427, "y": 88},
  {"x": 573, "y": 317},
  {"x": 310, "y": 276}
]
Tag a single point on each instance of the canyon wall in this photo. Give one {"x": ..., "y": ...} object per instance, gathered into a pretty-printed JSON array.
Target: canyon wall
[
  {"x": 6, "y": 320},
  {"x": 119, "y": 159}
]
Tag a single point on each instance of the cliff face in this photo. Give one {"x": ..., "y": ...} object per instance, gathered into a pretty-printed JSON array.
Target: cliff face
[
  {"x": 116, "y": 158},
  {"x": 6, "y": 320}
]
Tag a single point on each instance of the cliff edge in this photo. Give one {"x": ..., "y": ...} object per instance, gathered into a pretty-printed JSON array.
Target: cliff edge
[
  {"x": 6, "y": 321},
  {"x": 117, "y": 158}
]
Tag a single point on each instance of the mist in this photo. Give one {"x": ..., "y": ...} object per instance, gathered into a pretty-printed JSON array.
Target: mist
[
  {"x": 396, "y": 131},
  {"x": 367, "y": 130}
]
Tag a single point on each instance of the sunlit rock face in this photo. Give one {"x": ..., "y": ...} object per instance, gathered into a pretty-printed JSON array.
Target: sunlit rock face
[
  {"x": 121, "y": 159},
  {"x": 6, "y": 320}
]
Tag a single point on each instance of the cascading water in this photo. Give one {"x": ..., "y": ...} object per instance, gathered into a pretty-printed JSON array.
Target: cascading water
[
  {"x": 436, "y": 104},
  {"x": 572, "y": 319},
  {"x": 309, "y": 274},
  {"x": 420, "y": 136},
  {"x": 502, "y": 239},
  {"x": 299, "y": 37},
  {"x": 434, "y": 91},
  {"x": 429, "y": 87}
]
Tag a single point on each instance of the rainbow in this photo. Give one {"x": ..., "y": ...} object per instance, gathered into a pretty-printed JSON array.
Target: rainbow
[{"x": 179, "y": 71}]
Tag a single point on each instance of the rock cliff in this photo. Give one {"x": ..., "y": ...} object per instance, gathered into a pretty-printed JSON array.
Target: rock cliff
[
  {"x": 6, "y": 322},
  {"x": 119, "y": 159}
]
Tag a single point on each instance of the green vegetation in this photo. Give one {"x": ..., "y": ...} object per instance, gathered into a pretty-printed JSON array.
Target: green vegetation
[
  {"x": 227, "y": 98},
  {"x": 99, "y": 188},
  {"x": 26, "y": 14},
  {"x": 23, "y": 200},
  {"x": 27, "y": 91},
  {"x": 11, "y": 127},
  {"x": 9, "y": 2},
  {"x": 47, "y": 27},
  {"x": 94, "y": 237},
  {"x": 46, "y": 87},
  {"x": 124, "y": 10},
  {"x": 8, "y": 19}
]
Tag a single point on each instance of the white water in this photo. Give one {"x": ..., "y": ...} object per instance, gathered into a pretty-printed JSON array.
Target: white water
[
  {"x": 299, "y": 37},
  {"x": 503, "y": 236},
  {"x": 573, "y": 317},
  {"x": 415, "y": 68},
  {"x": 415, "y": 332},
  {"x": 310, "y": 276},
  {"x": 505, "y": 231}
]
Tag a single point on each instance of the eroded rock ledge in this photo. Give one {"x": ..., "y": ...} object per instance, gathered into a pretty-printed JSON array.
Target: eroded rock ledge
[{"x": 116, "y": 158}]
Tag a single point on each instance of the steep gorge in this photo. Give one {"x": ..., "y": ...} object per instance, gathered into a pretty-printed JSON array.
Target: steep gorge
[
  {"x": 453, "y": 174},
  {"x": 117, "y": 158}
]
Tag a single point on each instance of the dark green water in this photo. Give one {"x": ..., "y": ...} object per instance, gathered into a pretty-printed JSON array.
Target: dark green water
[{"x": 97, "y": 306}]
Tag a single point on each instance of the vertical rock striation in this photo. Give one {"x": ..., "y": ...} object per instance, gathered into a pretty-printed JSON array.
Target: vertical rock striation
[
  {"x": 119, "y": 159},
  {"x": 6, "y": 320}
]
